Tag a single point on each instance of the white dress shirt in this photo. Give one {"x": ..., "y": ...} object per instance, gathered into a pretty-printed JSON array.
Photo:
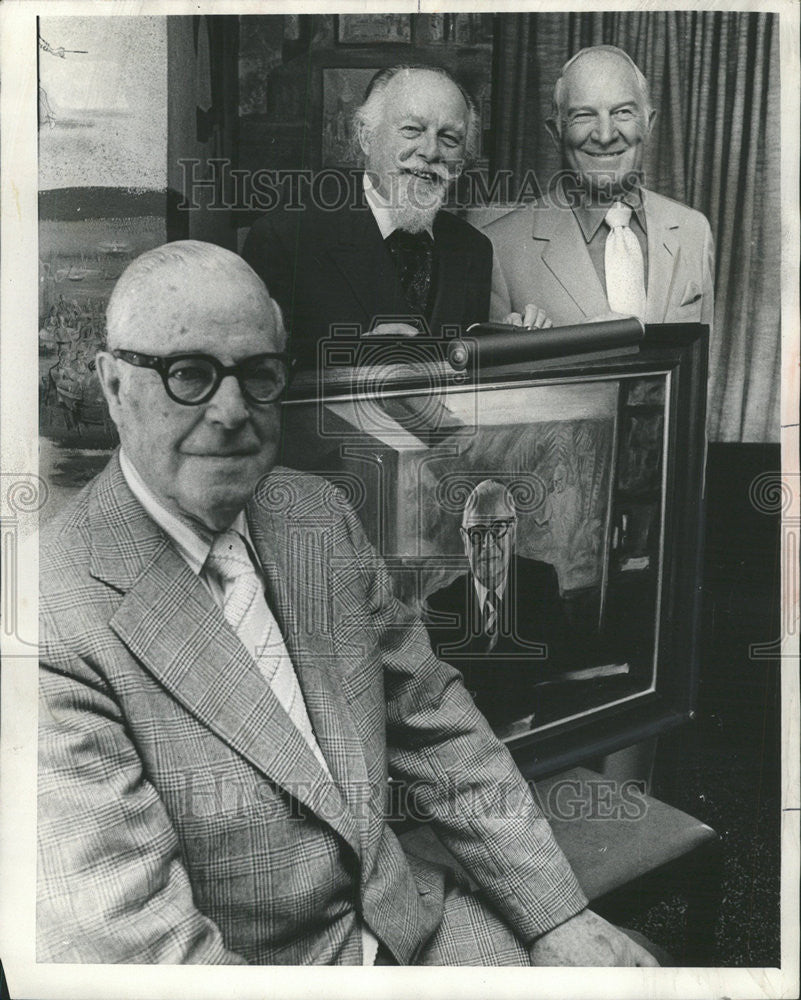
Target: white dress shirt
[
  {"x": 380, "y": 207},
  {"x": 482, "y": 591}
]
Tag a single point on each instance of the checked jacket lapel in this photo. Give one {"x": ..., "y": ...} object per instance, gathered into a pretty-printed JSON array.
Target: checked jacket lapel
[
  {"x": 297, "y": 567},
  {"x": 169, "y": 623}
]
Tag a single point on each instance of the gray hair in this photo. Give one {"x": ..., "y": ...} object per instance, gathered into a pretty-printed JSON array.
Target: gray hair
[
  {"x": 369, "y": 113},
  {"x": 559, "y": 86},
  {"x": 132, "y": 286}
]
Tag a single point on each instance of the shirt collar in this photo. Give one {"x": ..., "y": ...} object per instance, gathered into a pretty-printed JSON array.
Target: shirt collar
[
  {"x": 380, "y": 207},
  {"x": 590, "y": 215},
  {"x": 192, "y": 542}
]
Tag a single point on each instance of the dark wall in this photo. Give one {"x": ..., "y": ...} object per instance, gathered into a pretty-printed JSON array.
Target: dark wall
[
  {"x": 741, "y": 589},
  {"x": 738, "y": 696},
  {"x": 725, "y": 768}
]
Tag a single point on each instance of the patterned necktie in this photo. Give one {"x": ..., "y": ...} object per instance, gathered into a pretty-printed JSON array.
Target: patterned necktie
[
  {"x": 247, "y": 612},
  {"x": 413, "y": 255},
  {"x": 623, "y": 264},
  {"x": 491, "y": 606}
]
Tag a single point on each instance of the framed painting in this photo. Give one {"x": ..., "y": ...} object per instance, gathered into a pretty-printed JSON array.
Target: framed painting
[
  {"x": 568, "y": 495},
  {"x": 343, "y": 92},
  {"x": 374, "y": 29}
]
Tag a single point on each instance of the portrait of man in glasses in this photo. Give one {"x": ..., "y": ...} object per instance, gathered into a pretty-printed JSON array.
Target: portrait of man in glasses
[{"x": 502, "y": 622}]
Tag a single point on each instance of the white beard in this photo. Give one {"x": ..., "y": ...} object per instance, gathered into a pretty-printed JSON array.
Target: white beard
[{"x": 414, "y": 204}]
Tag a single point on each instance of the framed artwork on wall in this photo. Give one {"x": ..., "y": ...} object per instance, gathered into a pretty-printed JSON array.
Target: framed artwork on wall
[
  {"x": 374, "y": 29},
  {"x": 343, "y": 92}
]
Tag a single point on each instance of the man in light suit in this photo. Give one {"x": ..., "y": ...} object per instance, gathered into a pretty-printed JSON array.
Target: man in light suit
[
  {"x": 553, "y": 256},
  {"x": 227, "y": 681},
  {"x": 502, "y": 623},
  {"x": 388, "y": 259}
]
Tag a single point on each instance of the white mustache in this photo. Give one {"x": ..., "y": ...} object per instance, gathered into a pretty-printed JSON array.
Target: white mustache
[
  {"x": 441, "y": 174},
  {"x": 432, "y": 190}
]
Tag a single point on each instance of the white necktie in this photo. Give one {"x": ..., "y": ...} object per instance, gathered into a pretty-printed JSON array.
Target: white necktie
[
  {"x": 247, "y": 612},
  {"x": 623, "y": 264}
]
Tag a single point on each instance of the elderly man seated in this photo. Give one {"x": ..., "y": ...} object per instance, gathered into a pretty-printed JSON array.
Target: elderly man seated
[{"x": 227, "y": 681}]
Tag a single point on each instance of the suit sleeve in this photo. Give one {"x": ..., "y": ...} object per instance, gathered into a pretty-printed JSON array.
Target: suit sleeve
[
  {"x": 463, "y": 777},
  {"x": 484, "y": 284},
  {"x": 111, "y": 883},
  {"x": 500, "y": 299},
  {"x": 708, "y": 279}
]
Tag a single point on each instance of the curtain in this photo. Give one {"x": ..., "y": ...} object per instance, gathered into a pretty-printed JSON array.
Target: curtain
[{"x": 716, "y": 145}]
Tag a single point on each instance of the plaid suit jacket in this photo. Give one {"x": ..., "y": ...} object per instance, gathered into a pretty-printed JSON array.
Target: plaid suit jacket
[{"x": 182, "y": 818}]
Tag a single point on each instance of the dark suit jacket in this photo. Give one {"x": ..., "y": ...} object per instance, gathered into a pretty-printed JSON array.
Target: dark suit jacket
[
  {"x": 532, "y": 639},
  {"x": 332, "y": 268},
  {"x": 183, "y": 818}
]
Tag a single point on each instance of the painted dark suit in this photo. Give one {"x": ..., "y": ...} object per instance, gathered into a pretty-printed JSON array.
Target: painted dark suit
[
  {"x": 532, "y": 643},
  {"x": 331, "y": 268}
]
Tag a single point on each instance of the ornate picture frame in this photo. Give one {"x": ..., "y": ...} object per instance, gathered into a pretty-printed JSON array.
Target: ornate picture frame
[{"x": 603, "y": 461}]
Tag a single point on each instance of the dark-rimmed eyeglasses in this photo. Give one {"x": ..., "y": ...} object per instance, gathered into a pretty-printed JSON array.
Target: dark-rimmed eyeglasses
[
  {"x": 192, "y": 379},
  {"x": 477, "y": 533}
]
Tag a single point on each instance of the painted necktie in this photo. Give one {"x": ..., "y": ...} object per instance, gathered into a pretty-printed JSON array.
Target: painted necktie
[{"x": 491, "y": 606}]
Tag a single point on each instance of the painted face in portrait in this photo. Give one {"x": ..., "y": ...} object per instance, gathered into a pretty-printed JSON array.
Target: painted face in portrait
[{"x": 489, "y": 527}]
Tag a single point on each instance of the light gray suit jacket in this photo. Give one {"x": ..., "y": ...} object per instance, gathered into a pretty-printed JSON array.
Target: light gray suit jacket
[
  {"x": 541, "y": 257},
  {"x": 183, "y": 818}
]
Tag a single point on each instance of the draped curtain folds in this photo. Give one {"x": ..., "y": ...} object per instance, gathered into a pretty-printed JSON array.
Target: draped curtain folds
[{"x": 716, "y": 145}]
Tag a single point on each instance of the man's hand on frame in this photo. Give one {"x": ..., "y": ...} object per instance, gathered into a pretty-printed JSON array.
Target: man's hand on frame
[
  {"x": 588, "y": 939},
  {"x": 532, "y": 318},
  {"x": 392, "y": 330}
]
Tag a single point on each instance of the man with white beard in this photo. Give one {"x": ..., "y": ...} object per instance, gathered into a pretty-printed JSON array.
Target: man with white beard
[{"x": 387, "y": 259}]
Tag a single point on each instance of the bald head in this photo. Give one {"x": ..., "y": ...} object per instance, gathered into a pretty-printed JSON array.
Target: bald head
[
  {"x": 171, "y": 287},
  {"x": 599, "y": 60},
  {"x": 489, "y": 501}
]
